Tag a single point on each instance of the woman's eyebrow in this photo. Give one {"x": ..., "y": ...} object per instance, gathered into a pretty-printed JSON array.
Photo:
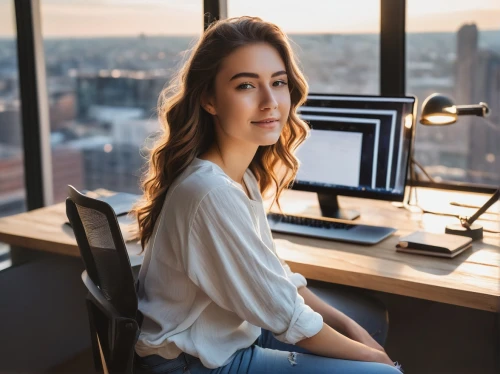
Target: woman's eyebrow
[{"x": 254, "y": 75}]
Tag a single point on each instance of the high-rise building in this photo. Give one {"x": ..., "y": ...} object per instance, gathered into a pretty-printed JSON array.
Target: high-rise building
[
  {"x": 465, "y": 66},
  {"x": 10, "y": 127},
  {"x": 466, "y": 62},
  {"x": 12, "y": 199},
  {"x": 484, "y": 136},
  {"x": 478, "y": 79},
  {"x": 119, "y": 88},
  {"x": 67, "y": 168},
  {"x": 115, "y": 167}
]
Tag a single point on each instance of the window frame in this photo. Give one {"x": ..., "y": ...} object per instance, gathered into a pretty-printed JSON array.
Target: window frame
[
  {"x": 35, "y": 125},
  {"x": 34, "y": 102}
]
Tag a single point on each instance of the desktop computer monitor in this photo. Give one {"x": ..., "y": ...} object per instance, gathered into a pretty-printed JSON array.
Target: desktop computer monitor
[{"x": 359, "y": 145}]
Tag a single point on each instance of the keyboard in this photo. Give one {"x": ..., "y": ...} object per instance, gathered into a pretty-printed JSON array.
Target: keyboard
[{"x": 325, "y": 229}]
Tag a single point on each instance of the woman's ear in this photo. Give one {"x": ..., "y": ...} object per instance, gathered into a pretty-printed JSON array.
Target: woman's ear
[{"x": 207, "y": 104}]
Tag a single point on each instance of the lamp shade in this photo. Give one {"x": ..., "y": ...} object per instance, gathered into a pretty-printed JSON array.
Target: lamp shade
[{"x": 438, "y": 110}]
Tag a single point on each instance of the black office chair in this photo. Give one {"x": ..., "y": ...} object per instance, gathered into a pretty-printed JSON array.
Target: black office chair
[{"x": 112, "y": 300}]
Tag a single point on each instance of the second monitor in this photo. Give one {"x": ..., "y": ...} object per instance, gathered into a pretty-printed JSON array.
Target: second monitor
[{"x": 358, "y": 146}]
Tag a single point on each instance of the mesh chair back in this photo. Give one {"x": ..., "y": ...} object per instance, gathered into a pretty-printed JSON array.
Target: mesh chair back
[{"x": 103, "y": 250}]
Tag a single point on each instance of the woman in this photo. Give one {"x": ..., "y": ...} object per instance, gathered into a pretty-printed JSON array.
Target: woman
[{"x": 214, "y": 294}]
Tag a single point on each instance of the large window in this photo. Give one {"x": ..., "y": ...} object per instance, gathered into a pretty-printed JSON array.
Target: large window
[
  {"x": 12, "y": 191},
  {"x": 106, "y": 63},
  {"x": 454, "y": 48},
  {"x": 337, "y": 45}
]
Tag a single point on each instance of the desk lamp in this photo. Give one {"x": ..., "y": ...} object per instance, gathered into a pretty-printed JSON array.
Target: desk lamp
[{"x": 439, "y": 110}]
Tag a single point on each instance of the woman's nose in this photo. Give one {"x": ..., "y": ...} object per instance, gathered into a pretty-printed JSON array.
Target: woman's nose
[{"x": 268, "y": 101}]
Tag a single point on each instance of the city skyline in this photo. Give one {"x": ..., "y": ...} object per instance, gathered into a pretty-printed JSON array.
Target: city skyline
[
  {"x": 170, "y": 17},
  {"x": 103, "y": 92}
]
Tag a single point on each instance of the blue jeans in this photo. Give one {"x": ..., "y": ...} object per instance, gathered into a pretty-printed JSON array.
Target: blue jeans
[{"x": 268, "y": 355}]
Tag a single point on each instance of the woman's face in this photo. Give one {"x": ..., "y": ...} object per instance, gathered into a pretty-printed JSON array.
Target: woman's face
[{"x": 251, "y": 101}]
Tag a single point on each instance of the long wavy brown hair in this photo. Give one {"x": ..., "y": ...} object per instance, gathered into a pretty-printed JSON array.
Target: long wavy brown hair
[{"x": 188, "y": 130}]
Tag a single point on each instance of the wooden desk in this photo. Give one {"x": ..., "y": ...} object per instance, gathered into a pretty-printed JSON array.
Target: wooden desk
[{"x": 472, "y": 279}]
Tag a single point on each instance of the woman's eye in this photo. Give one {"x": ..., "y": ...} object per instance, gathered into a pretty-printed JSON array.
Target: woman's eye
[
  {"x": 244, "y": 86},
  {"x": 280, "y": 83}
]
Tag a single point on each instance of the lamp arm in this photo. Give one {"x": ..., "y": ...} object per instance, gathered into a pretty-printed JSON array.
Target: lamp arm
[
  {"x": 480, "y": 110},
  {"x": 483, "y": 209}
]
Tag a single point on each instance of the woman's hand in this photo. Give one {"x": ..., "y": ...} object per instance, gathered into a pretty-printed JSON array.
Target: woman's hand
[
  {"x": 354, "y": 331},
  {"x": 382, "y": 357},
  {"x": 331, "y": 343}
]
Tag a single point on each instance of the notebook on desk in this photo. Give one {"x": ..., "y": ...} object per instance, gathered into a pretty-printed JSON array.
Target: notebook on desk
[{"x": 430, "y": 244}]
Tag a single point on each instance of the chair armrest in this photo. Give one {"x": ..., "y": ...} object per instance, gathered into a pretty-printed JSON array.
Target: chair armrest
[{"x": 97, "y": 294}]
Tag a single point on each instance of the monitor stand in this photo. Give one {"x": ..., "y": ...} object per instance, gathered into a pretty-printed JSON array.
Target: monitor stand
[{"x": 329, "y": 205}]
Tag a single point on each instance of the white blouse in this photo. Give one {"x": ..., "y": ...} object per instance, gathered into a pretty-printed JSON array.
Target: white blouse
[{"x": 211, "y": 278}]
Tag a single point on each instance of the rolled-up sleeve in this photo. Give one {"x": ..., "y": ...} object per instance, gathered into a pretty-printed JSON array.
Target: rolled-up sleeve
[
  {"x": 297, "y": 279},
  {"x": 227, "y": 259}
]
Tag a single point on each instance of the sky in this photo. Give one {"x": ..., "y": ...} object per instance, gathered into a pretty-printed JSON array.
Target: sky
[{"x": 94, "y": 18}]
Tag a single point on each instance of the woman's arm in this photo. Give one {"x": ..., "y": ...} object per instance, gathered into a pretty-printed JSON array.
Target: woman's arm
[
  {"x": 338, "y": 320},
  {"x": 331, "y": 316},
  {"x": 331, "y": 343},
  {"x": 226, "y": 258}
]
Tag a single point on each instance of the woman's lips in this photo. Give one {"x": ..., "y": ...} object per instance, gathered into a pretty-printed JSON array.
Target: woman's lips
[{"x": 267, "y": 124}]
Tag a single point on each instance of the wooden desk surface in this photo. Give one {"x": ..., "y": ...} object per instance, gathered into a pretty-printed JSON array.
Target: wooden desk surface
[{"x": 472, "y": 279}]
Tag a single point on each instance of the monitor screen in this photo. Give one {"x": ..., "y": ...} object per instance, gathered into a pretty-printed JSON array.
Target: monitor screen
[{"x": 358, "y": 145}]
